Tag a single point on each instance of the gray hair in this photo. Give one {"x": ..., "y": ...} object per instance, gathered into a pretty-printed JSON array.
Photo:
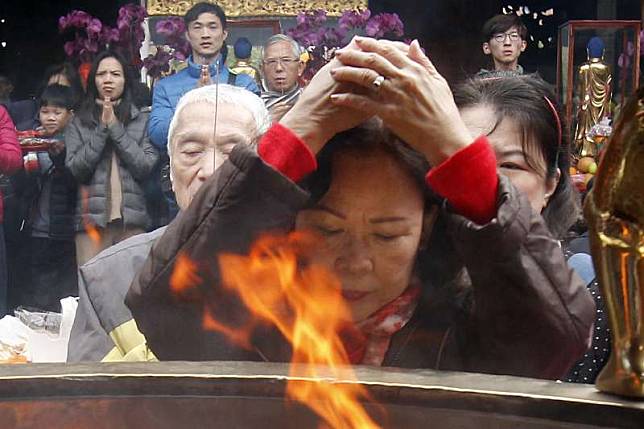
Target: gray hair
[
  {"x": 276, "y": 38},
  {"x": 227, "y": 94}
]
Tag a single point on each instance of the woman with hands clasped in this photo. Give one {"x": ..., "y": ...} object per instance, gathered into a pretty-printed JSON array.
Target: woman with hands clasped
[
  {"x": 109, "y": 154},
  {"x": 434, "y": 275}
]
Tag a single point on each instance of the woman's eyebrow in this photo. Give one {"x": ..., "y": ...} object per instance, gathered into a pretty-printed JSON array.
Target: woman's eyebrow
[
  {"x": 510, "y": 152},
  {"x": 386, "y": 219},
  {"x": 322, "y": 207}
]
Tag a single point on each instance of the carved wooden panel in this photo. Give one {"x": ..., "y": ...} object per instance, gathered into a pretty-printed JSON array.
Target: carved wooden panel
[{"x": 234, "y": 8}]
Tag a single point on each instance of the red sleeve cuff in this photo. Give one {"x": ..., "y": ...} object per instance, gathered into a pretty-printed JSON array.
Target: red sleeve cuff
[
  {"x": 284, "y": 151},
  {"x": 468, "y": 181}
]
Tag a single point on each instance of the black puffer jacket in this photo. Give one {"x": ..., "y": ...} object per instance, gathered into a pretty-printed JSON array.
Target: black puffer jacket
[
  {"x": 89, "y": 158},
  {"x": 62, "y": 195},
  {"x": 530, "y": 316}
]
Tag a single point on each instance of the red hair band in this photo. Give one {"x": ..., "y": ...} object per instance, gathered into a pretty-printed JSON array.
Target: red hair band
[{"x": 553, "y": 109}]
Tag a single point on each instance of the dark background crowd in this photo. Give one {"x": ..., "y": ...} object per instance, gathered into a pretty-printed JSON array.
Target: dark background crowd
[{"x": 450, "y": 30}]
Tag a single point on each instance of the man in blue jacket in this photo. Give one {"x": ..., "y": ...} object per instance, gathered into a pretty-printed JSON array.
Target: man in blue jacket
[{"x": 206, "y": 32}]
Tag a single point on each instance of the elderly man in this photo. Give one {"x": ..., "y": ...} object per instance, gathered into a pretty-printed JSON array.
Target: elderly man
[
  {"x": 282, "y": 68},
  {"x": 104, "y": 328}
]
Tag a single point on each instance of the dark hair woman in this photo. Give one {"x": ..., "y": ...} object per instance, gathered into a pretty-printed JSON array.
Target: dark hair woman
[
  {"x": 64, "y": 74},
  {"x": 109, "y": 154},
  {"x": 383, "y": 232},
  {"x": 523, "y": 125},
  {"x": 522, "y": 122},
  {"x": 25, "y": 112}
]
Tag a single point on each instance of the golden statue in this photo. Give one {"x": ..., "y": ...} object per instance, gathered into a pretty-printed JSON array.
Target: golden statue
[
  {"x": 245, "y": 67},
  {"x": 595, "y": 93},
  {"x": 615, "y": 214}
]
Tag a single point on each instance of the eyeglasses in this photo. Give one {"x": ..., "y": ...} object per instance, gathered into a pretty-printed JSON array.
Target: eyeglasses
[
  {"x": 285, "y": 61},
  {"x": 514, "y": 36}
]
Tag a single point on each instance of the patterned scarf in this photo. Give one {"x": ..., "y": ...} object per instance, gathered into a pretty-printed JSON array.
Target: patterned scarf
[
  {"x": 271, "y": 98},
  {"x": 367, "y": 342}
]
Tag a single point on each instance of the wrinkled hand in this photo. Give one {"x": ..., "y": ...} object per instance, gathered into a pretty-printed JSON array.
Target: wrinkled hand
[
  {"x": 107, "y": 116},
  {"x": 414, "y": 100},
  {"x": 315, "y": 118},
  {"x": 278, "y": 110}
]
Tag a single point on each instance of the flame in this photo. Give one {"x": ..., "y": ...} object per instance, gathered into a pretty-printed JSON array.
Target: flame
[
  {"x": 238, "y": 336},
  {"x": 90, "y": 228},
  {"x": 184, "y": 276},
  {"x": 304, "y": 302}
]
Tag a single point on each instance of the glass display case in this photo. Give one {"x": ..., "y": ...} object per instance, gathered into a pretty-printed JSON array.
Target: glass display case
[{"x": 598, "y": 67}]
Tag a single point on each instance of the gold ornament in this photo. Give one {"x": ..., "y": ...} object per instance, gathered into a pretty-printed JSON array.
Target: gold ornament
[
  {"x": 615, "y": 214},
  {"x": 595, "y": 92},
  {"x": 236, "y": 8}
]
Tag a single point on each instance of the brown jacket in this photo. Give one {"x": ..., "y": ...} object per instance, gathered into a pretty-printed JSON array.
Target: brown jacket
[{"x": 529, "y": 314}]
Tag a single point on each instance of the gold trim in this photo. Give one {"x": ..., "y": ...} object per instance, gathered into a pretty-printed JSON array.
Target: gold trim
[{"x": 237, "y": 8}]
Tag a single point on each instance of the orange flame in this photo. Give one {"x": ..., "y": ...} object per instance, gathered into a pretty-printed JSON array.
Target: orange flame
[
  {"x": 304, "y": 302},
  {"x": 90, "y": 228},
  {"x": 184, "y": 276}
]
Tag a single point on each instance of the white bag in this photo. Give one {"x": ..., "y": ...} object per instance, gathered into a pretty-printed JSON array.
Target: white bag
[
  {"x": 43, "y": 346},
  {"x": 14, "y": 336}
]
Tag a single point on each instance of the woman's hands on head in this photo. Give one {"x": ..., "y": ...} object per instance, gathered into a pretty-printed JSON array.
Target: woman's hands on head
[
  {"x": 414, "y": 100},
  {"x": 315, "y": 118}
]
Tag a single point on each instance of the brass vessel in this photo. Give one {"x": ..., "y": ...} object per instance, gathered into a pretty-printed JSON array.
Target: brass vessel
[
  {"x": 615, "y": 213},
  {"x": 250, "y": 395}
]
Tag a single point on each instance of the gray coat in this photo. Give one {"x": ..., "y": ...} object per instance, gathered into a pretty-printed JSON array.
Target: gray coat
[
  {"x": 89, "y": 155},
  {"x": 102, "y": 284}
]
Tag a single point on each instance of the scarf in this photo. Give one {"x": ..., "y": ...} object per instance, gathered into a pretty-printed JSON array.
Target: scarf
[
  {"x": 367, "y": 342},
  {"x": 483, "y": 73},
  {"x": 270, "y": 98}
]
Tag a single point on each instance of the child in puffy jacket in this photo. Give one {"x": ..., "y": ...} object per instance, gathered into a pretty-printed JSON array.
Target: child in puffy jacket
[{"x": 49, "y": 251}]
